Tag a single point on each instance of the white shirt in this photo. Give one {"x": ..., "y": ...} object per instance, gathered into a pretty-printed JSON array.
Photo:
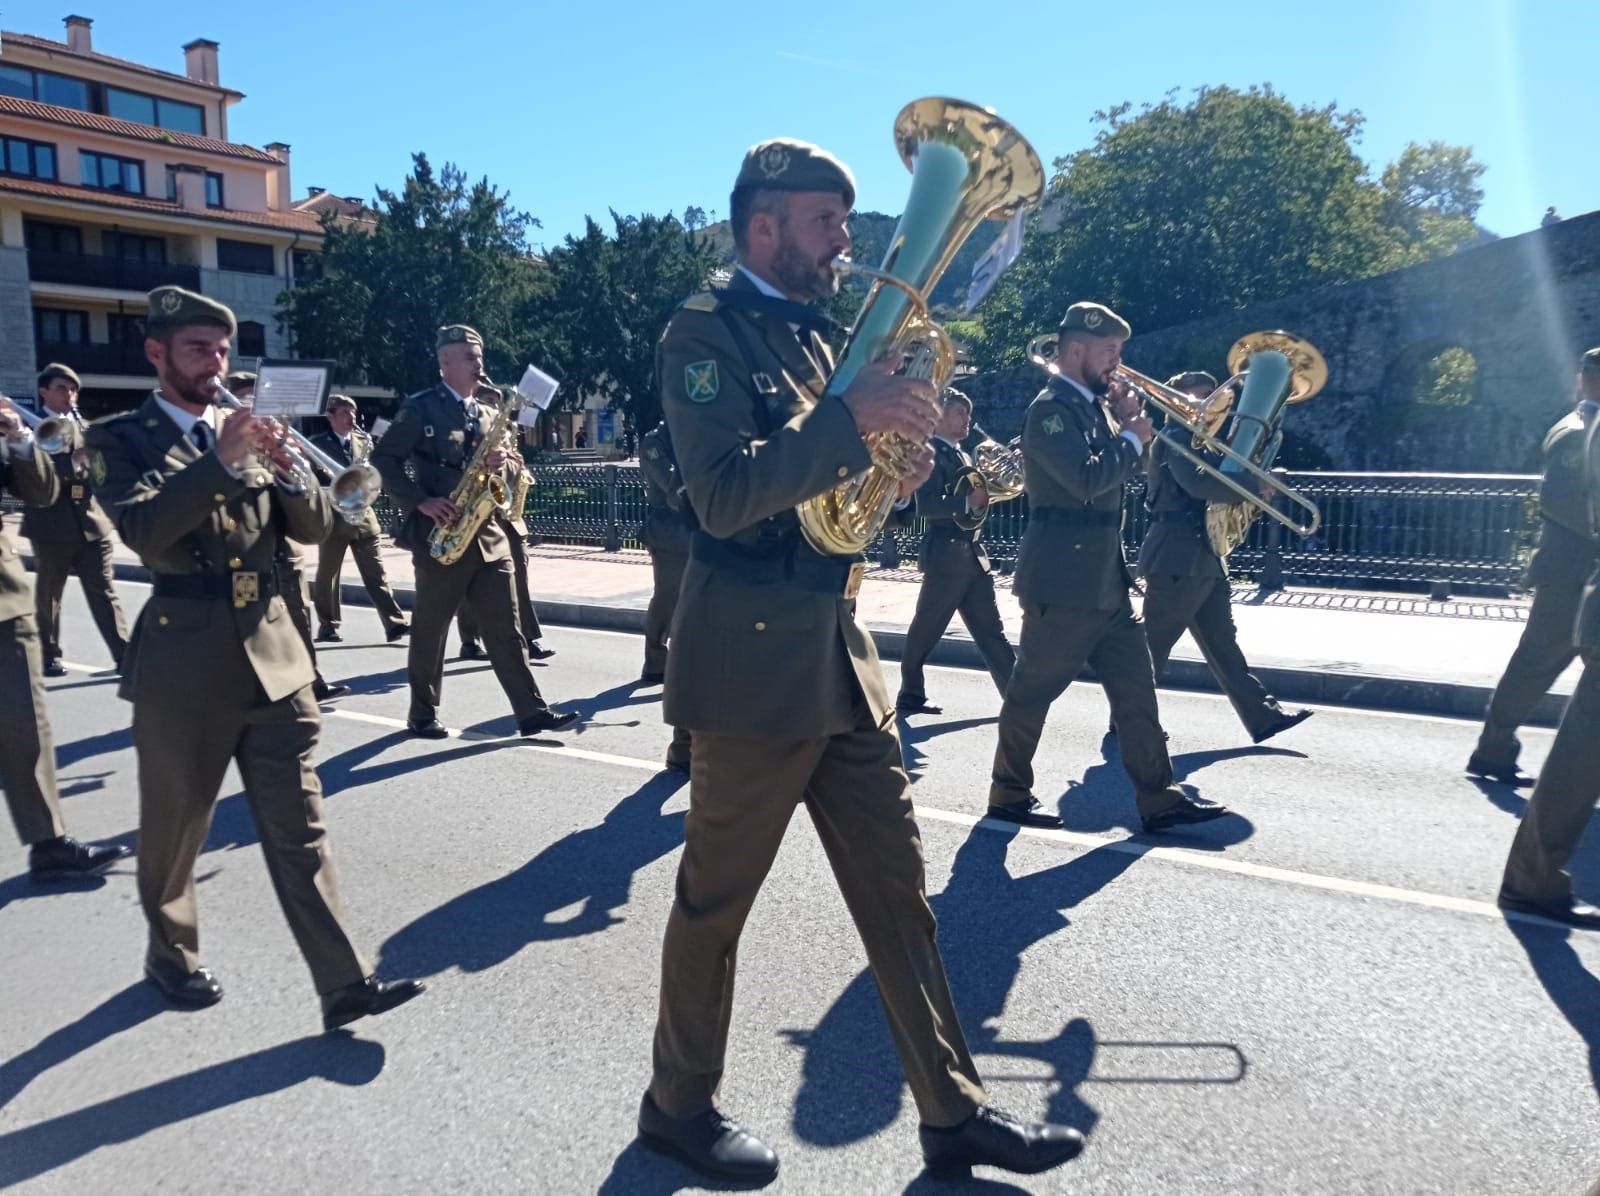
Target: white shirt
[
  {"x": 186, "y": 420},
  {"x": 1089, "y": 398},
  {"x": 460, "y": 398},
  {"x": 767, "y": 289}
]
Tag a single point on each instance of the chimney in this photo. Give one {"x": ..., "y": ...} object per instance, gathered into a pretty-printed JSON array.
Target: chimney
[
  {"x": 200, "y": 60},
  {"x": 279, "y": 197},
  {"x": 191, "y": 187},
  {"x": 313, "y": 192},
  {"x": 78, "y": 39}
]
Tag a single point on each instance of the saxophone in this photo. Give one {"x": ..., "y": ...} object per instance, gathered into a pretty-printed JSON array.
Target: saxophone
[{"x": 481, "y": 492}]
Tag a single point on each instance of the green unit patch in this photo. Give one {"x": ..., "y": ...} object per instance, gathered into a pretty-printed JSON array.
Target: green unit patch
[
  {"x": 97, "y": 467},
  {"x": 700, "y": 381},
  {"x": 1053, "y": 425}
]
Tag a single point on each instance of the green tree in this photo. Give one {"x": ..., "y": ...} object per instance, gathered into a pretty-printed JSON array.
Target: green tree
[
  {"x": 605, "y": 302},
  {"x": 1431, "y": 197},
  {"x": 440, "y": 250}
]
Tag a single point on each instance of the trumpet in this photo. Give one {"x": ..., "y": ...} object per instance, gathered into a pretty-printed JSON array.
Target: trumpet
[
  {"x": 1203, "y": 420},
  {"x": 354, "y": 488},
  {"x": 53, "y": 433}
]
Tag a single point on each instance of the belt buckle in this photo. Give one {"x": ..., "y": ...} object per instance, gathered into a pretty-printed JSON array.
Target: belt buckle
[
  {"x": 246, "y": 589},
  {"x": 852, "y": 583},
  {"x": 77, "y": 491}
]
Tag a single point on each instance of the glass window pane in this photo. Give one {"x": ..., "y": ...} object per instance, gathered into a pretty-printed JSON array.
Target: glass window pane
[
  {"x": 213, "y": 190},
  {"x": 172, "y": 183},
  {"x": 89, "y": 164},
  {"x": 44, "y": 161},
  {"x": 130, "y": 105},
  {"x": 16, "y": 81},
  {"x": 185, "y": 118},
  {"x": 58, "y": 89},
  {"x": 133, "y": 177},
  {"x": 16, "y": 160}
]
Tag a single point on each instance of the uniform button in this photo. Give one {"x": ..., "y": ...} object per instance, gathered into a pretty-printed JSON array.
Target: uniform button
[
  {"x": 162, "y": 620},
  {"x": 229, "y": 524},
  {"x": 1077, "y": 545},
  {"x": 219, "y": 497},
  {"x": 844, "y": 471},
  {"x": 234, "y": 562},
  {"x": 761, "y": 626}
]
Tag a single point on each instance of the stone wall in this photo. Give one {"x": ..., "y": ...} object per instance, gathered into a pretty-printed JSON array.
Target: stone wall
[
  {"x": 1526, "y": 307},
  {"x": 17, "y": 371},
  {"x": 252, "y": 297}
]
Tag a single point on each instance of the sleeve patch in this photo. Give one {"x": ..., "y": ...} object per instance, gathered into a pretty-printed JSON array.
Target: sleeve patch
[{"x": 700, "y": 381}]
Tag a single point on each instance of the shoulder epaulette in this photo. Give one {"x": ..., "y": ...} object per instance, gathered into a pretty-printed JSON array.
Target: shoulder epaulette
[
  {"x": 705, "y": 301},
  {"x": 114, "y": 417}
]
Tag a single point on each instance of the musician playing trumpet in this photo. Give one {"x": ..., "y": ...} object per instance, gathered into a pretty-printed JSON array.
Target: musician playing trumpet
[
  {"x": 1186, "y": 582},
  {"x": 955, "y": 568},
  {"x": 1073, "y": 582}
]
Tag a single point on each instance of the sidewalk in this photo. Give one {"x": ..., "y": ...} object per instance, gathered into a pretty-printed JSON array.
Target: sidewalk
[{"x": 1382, "y": 651}]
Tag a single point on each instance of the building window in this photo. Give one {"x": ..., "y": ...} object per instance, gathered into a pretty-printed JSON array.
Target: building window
[
  {"x": 213, "y": 187},
  {"x": 47, "y": 237},
  {"x": 151, "y": 110},
  {"x": 45, "y": 87},
  {"x": 54, "y": 326},
  {"x": 130, "y": 105},
  {"x": 181, "y": 117},
  {"x": 107, "y": 172},
  {"x": 252, "y": 339},
  {"x": 34, "y": 159},
  {"x": 247, "y": 257},
  {"x": 135, "y": 247},
  {"x": 125, "y": 329},
  {"x": 307, "y": 265}
]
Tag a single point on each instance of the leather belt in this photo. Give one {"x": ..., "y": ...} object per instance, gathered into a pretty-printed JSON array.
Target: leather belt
[
  {"x": 818, "y": 574},
  {"x": 1075, "y": 516},
  {"x": 1192, "y": 518},
  {"x": 949, "y": 531},
  {"x": 241, "y": 587}
]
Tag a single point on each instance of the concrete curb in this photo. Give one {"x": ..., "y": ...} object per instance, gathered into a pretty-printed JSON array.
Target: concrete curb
[{"x": 1332, "y": 687}]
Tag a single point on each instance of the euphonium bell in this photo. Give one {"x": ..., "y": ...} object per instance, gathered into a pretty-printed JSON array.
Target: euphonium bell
[{"x": 967, "y": 166}]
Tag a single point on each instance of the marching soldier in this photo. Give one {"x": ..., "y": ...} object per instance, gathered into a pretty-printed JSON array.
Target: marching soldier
[
  {"x": 349, "y": 444},
  {"x": 72, "y": 535},
  {"x": 1073, "y": 583},
  {"x": 781, "y": 687},
  {"x": 27, "y": 749},
  {"x": 1566, "y": 556},
  {"x": 955, "y": 568},
  {"x": 668, "y": 523},
  {"x": 214, "y": 670},
  {"x": 1186, "y": 583},
  {"x": 436, "y": 432},
  {"x": 1560, "y": 806}
]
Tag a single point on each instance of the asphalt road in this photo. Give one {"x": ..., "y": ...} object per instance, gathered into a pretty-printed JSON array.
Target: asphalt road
[{"x": 1312, "y": 996}]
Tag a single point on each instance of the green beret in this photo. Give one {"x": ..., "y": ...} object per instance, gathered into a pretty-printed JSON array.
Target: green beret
[
  {"x": 174, "y": 307},
  {"x": 240, "y": 378},
  {"x": 1190, "y": 379},
  {"x": 784, "y": 164},
  {"x": 56, "y": 370},
  {"x": 458, "y": 334},
  {"x": 952, "y": 395},
  {"x": 1591, "y": 361},
  {"x": 340, "y": 403},
  {"x": 1096, "y": 319}
]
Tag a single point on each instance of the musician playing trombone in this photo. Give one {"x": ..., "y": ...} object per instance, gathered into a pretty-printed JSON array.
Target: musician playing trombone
[
  {"x": 1186, "y": 582},
  {"x": 1073, "y": 582}
]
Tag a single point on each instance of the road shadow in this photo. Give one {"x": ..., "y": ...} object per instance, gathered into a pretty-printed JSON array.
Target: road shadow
[
  {"x": 1103, "y": 800},
  {"x": 1573, "y": 989},
  {"x": 78, "y": 750},
  {"x": 1501, "y": 796},
  {"x": 913, "y": 735},
  {"x": 135, "y": 1004},
  {"x": 38, "y": 1149},
  {"x": 592, "y": 868},
  {"x": 350, "y": 769},
  {"x": 640, "y": 1171}
]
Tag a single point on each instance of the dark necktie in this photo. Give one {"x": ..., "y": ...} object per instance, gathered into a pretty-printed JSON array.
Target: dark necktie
[{"x": 201, "y": 435}]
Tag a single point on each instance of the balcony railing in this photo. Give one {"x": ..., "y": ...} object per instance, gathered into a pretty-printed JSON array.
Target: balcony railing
[
  {"x": 1449, "y": 533},
  {"x": 91, "y": 357},
  {"x": 112, "y": 273}
]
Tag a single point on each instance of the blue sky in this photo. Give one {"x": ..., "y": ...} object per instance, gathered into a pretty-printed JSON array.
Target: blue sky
[{"x": 648, "y": 108}]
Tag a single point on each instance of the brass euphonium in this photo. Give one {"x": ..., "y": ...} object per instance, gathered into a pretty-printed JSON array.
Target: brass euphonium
[
  {"x": 998, "y": 469},
  {"x": 967, "y": 166}
]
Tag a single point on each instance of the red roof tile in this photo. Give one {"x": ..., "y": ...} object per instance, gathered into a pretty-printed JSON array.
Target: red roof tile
[
  {"x": 93, "y": 121},
  {"x": 301, "y": 222},
  {"x": 55, "y": 47}
]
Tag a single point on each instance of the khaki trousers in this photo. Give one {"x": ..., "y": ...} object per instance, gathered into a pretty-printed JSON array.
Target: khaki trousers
[
  {"x": 1203, "y": 606},
  {"x": 666, "y": 569},
  {"x": 1541, "y": 655},
  {"x": 527, "y": 618},
  {"x": 27, "y": 750},
  {"x": 369, "y": 561},
  {"x": 1057, "y": 641},
  {"x": 956, "y": 586},
  {"x": 489, "y": 589},
  {"x": 184, "y": 744},
  {"x": 1562, "y": 801},
  {"x": 90, "y": 562},
  {"x": 742, "y": 793}
]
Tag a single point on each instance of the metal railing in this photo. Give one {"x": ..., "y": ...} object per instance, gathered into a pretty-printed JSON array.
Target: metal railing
[
  {"x": 1446, "y": 533},
  {"x": 106, "y": 270}
]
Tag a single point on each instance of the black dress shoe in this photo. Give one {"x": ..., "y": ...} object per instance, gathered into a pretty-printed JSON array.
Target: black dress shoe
[
  {"x": 325, "y": 691},
  {"x": 710, "y": 1143},
  {"x": 990, "y": 1138},
  {"x": 54, "y": 668},
  {"x": 912, "y": 704},
  {"x": 1026, "y": 813},
  {"x": 193, "y": 990},
  {"x": 678, "y": 766},
  {"x": 1190, "y": 809},
  {"x": 1506, "y": 774},
  {"x": 1570, "y": 911},
  {"x": 537, "y": 651},
  {"x": 652, "y": 678},
  {"x": 397, "y": 631},
  {"x": 427, "y": 728},
  {"x": 329, "y": 635},
  {"x": 1282, "y": 723},
  {"x": 548, "y": 719},
  {"x": 59, "y": 859},
  {"x": 471, "y": 650},
  {"x": 366, "y": 998}
]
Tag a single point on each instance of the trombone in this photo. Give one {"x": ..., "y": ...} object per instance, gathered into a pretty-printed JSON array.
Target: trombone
[{"x": 1203, "y": 420}]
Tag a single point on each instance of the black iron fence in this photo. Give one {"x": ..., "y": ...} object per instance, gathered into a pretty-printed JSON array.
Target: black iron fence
[{"x": 1445, "y": 533}]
